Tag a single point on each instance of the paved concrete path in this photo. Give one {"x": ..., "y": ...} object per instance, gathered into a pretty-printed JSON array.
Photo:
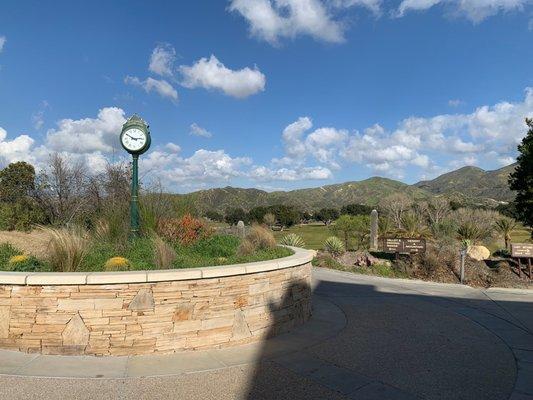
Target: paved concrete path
[{"x": 369, "y": 338}]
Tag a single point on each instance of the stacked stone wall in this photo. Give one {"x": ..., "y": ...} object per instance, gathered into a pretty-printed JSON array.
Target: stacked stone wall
[{"x": 153, "y": 317}]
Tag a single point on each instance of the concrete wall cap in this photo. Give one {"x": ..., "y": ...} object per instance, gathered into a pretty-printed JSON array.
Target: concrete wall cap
[{"x": 300, "y": 257}]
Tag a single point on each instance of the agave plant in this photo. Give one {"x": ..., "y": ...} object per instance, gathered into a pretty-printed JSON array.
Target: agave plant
[
  {"x": 334, "y": 246},
  {"x": 292, "y": 239}
]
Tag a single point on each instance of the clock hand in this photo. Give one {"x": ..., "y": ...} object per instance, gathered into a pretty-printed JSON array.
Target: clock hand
[{"x": 132, "y": 137}]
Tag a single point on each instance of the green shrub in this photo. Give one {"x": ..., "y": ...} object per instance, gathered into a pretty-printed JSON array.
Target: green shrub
[
  {"x": 334, "y": 246},
  {"x": 292, "y": 239},
  {"x": 217, "y": 246},
  {"x": 12, "y": 259}
]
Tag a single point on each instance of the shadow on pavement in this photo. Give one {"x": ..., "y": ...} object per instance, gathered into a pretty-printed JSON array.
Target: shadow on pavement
[{"x": 400, "y": 343}]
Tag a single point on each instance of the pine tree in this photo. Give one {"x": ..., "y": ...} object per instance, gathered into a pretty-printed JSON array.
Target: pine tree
[{"x": 521, "y": 180}]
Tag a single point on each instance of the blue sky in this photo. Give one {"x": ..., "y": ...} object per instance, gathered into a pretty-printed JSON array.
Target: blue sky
[{"x": 275, "y": 94}]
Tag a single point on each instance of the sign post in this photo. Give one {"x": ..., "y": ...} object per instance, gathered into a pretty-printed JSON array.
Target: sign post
[
  {"x": 135, "y": 138},
  {"x": 463, "y": 257},
  {"x": 523, "y": 251}
]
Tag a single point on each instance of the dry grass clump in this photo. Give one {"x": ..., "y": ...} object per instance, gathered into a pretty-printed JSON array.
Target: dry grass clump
[
  {"x": 67, "y": 248},
  {"x": 164, "y": 254},
  {"x": 259, "y": 238}
]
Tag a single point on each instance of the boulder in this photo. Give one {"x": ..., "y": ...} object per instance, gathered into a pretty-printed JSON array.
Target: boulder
[
  {"x": 478, "y": 253},
  {"x": 358, "y": 259}
]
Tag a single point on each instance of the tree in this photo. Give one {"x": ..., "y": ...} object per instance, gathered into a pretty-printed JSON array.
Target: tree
[
  {"x": 395, "y": 205},
  {"x": 505, "y": 226},
  {"x": 356, "y": 209},
  {"x": 286, "y": 215},
  {"x": 234, "y": 215},
  {"x": 18, "y": 210},
  {"x": 214, "y": 216},
  {"x": 327, "y": 215},
  {"x": 257, "y": 214},
  {"x": 521, "y": 180},
  {"x": 350, "y": 226},
  {"x": 17, "y": 181},
  {"x": 61, "y": 189},
  {"x": 437, "y": 210}
]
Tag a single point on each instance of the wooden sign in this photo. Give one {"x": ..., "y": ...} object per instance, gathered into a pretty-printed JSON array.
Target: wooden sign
[
  {"x": 403, "y": 245},
  {"x": 391, "y": 245},
  {"x": 522, "y": 250}
]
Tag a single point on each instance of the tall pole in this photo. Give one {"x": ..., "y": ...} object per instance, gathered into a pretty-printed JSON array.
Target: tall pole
[{"x": 134, "y": 207}]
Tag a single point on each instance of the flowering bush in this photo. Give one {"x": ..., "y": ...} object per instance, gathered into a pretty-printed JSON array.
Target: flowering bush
[
  {"x": 117, "y": 264},
  {"x": 185, "y": 230},
  {"x": 18, "y": 259}
]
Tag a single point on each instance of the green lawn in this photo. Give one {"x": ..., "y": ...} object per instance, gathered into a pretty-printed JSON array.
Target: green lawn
[{"x": 313, "y": 235}]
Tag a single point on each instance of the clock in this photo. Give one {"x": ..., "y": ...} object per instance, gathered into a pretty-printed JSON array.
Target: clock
[{"x": 135, "y": 136}]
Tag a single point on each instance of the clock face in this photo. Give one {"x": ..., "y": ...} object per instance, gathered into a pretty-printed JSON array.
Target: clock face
[{"x": 134, "y": 139}]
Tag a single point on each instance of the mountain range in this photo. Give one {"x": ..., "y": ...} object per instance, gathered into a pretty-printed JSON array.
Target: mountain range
[{"x": 468, "y": 185}]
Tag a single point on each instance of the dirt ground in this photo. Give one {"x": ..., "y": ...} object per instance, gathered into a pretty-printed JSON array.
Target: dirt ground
[{"x": 34, "y": 242}]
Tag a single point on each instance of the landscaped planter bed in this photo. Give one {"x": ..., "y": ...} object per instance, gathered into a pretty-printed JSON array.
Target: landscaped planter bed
[{"x": 143, "y": 312}]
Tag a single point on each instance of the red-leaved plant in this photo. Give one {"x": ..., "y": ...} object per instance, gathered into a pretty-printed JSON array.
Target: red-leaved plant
[{"x": 185, "y": 230}]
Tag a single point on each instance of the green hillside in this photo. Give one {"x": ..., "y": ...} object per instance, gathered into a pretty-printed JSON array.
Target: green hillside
[
  {"x": 369, "y": 191},
  {"x": 472, "y": 182},
  {"x": 468, "y": 185}
]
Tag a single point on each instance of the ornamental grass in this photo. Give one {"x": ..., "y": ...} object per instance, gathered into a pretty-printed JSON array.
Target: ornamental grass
[{"x": 67, "y": 248}]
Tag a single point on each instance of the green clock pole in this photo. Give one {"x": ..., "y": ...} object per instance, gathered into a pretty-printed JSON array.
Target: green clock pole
[
  {"x": 134, "y": 206},
  {"x": 135, "y": 138}
]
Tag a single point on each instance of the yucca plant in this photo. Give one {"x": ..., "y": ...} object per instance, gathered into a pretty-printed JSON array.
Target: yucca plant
[
  {"x": 334, "y": 246},
  {"x": 469, "y": 231},
  {"x": 292, "y": 239},
  {"x": 67, "y": 248},
  {"x": 505, "y": 226}
]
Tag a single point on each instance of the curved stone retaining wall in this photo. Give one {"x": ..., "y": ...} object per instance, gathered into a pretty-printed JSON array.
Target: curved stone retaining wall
[{"x": 142, "y": 312}]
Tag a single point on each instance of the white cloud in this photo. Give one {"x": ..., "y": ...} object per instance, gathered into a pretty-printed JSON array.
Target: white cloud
[
  {"x": 372, "y": 5},
  {"x": 14, "y": 150},
  {"x": 503, "y": 161},
  {"x": 272, "y": 20},
  {"x": 161, "y": 86},
  {"x": 162, "y": 60},
  {"x": 212, "y": 74},
  {"x": 202, "y": 166},
  {"x": 321, "y": 144},
  {"x": 197, "y": 130},
  {"x": 455, "y": 103},
  {"x": 88, "y": 135},
  {"x": 37, "y": 119},
  {"x": 475, "y": 10},
  {"x": 173, "y": 147},
  {"x": 265, "y": 174},
  {"x": 3, "y": 41},
  {"x": 489, "y": 133}
]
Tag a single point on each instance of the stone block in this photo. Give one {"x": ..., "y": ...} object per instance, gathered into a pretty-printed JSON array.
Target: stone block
[
  {"x": 75, "y": 305},
  {"x": 75, "y": 333},
  {"x": 4, "y": 321},
  {"x": 144, "y": 300},
  {"x": 183, "y": 312},
  {"x": 240, "y": 328},
  {"x": 108, "y": 304}
]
